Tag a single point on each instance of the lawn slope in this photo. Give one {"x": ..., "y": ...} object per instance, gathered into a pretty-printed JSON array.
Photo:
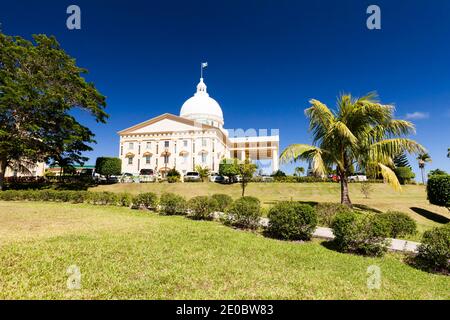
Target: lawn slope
[{"x": 129, "y": 254}]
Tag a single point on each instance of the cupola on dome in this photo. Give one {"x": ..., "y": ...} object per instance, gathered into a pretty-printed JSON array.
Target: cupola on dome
[{"x": 202, "y": 108}]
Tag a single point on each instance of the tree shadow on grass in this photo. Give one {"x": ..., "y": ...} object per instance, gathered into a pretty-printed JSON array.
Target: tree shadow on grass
[
  {"x": 430, "y": 215},
  {"x": 366, "y": 208}
]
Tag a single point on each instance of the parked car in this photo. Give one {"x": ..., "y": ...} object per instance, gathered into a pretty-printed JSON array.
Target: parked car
[
  {"x": 266, "y": 178},
  {"x": 215, "y": 177},
  {"x": 192, "y": 176},
  {"x": 126, "y": 177},
  {"x": 146, "y": 175},
  {"x": 358, "y": 177},
  {"x": 219, "y": 179}
]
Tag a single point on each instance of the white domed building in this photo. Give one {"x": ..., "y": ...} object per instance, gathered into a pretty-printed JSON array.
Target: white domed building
[{"x": 195, "y": 137}]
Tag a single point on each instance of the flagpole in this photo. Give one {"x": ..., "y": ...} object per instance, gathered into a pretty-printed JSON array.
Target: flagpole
[{"x": 201, "y": 70}]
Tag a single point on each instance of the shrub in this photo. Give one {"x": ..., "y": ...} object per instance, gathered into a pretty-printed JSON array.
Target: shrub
[
  {"x": 434, "y": 251},
  {"x": 326, "y": 211},
  {"x": 124, "y": 199},
  {"x": 360, "y": 233},
  {"x": 103, "y": 198},
  {"x": 201, "y": 207},
  {"x": 438, "y": 190},
  {"x": 147, "y": 200},
  {"x": 292, "y": 221},
  {"x": 172, "y": 204},
  {"x": 404, "y": 174},
  {"x": 399, "y": 223},
  {"x": 223, "y": 201},
  {"x": 244, "y": 213},
  {"x": 173, "y": 176}
]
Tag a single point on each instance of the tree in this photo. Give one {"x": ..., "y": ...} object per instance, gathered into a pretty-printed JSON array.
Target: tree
[
  {"x": 360, "y": 132},
  {"x": 246, "y": 170},
  {"x": 107, "y": 166},
  {"x": 278, "y": 174},
  {"x": 436, "y": 172},
  {"x": 229, "y": 168},
  {"x": 299, "y": 170},
  {"x": 401, "y": 160},
  {"x": 40, "y": 86},
  {"x": 404, "y": 174},
  {"x": 423, "y": 158},
  {"x": 202, "y": 171}
]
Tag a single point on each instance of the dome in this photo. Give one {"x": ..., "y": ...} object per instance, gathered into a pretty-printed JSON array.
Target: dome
[{"x": 201, "y": 107}]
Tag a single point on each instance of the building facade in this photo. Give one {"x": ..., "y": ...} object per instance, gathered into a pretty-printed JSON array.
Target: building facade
[{"x": 195, "y": 137}]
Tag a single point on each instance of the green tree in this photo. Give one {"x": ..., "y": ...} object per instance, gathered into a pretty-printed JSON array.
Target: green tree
[
  {"x": 299, "y": 170},
  {"x": 436, "y": 172},
  {"x": 229, "y": 168},
  {"x": 246, "y": 170},
  {"x": 401, "y": 160},
  {"x": 203, "y": 172},
  {"x": 40, "y": 86},
  {"x": 108, "y": 166},
  {"x": 360, "y": 132},
  {"x": 422, "y": 159}
]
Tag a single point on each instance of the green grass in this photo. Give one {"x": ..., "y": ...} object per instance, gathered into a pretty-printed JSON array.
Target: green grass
[
  {"x": 128, "y": 254},
  {"x": 383, "y": 197}
]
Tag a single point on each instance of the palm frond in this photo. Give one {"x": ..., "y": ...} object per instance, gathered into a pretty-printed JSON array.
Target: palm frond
[
  {"x": 390, "y": 177},
  {"x": 296, "y": 152},
  {"x": 388, "y": 148}
]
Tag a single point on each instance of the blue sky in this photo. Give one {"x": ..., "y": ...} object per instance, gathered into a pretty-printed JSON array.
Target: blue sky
[{"x": 266, "y": 59}]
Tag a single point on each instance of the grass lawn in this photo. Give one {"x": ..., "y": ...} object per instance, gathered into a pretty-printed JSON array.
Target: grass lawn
[
  {"x": 412, "y": 200},
  {"x": 129, "y": 254}
]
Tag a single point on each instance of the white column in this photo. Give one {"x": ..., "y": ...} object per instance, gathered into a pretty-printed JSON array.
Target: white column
[
  {"x": 274, "y": 159},
  {"x": 243, "y": 155}
]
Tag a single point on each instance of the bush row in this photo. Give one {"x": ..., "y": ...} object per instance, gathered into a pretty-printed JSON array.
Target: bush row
[{"x": 356, "y": 232}]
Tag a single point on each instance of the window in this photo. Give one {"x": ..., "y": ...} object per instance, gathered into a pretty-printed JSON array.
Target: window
[
  {"x": 203, "y": 157},
  {"x": 203, "y": 142},
  {"x": 157, "y": 148},
  {"x": 185, "y": 159},
  {"x": 131, "y": 145},
  {"x": 121, "y": 150},
  {"x": 148, "y": 145},
  {"x": 139, "y": 149},
  {"x": 148, "y": 159},
  {"x": 166, "y": 144},
  {"x": 185, "y": 143},
  {"x": 130, "y": 160},
  {"x": 166, "y": 160}
]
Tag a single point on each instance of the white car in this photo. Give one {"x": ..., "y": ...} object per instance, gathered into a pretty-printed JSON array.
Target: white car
[{"x": 357, "y": 178}]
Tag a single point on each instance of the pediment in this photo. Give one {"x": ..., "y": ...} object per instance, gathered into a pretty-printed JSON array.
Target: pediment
[{"x": 164, "y": 123}]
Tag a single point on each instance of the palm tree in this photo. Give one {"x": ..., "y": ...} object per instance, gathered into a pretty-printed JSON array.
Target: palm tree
[
  {"x": 203, "y": 172},
  {"x": 361, "y": 132},
  {"x": 299, "y": 170},
  {"x": 423, "y": 158}
]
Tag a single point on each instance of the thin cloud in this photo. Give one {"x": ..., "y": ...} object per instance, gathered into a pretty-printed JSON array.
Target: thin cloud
[{"x": 417, "y": 115}]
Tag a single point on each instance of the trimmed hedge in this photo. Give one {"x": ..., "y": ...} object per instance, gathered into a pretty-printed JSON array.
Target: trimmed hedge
[
  {"x": 223, "y": 201},
  {"x": 360, "y": 233},
  {"x": 399, "y": 223},
  {"x": 147, "y": 200},
  {"x": 434, "y": 251},
  {"x": 201, "y": 207},
  {"x": 172, "y": 204},
  {"x": 438, "y": 190},
  {"x": 244, "y": 213},
  {"x": 290, "y": 220}
]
